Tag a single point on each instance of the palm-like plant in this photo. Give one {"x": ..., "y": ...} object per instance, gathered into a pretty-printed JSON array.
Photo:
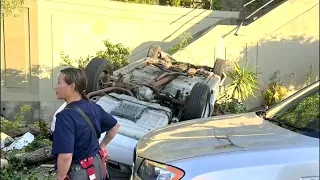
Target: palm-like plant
[{"x": 244, "y": 81}]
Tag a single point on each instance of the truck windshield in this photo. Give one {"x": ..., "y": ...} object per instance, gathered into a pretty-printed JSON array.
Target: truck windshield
[{"x": 301, "y": 115}]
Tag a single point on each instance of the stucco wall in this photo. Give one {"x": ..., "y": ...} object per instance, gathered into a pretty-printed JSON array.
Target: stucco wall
[
  {"x": 287, "y": 38},
  {"x": 31, "y": 43},
  {"x": 79, "y": 27}
]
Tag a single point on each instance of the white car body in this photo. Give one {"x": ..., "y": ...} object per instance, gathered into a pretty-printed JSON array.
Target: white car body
[{"x": 241, "y": 146}]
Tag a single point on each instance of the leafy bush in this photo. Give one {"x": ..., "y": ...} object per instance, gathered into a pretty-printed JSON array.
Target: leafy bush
[
  {"x": 202, "y": 4},
  {"x": 116, "y": 53},
  {"x": 18, "y": 119},
  {"x": 226, "y": 104},
  {"x": 275, "y": 91},
  {"x": 244, "y": 81},
  {"x": 42, "y": 139},
  {"x": 151, "y": 2},
  {"x": 244, "y": 84},
  {"x": 11, "y": 7},
  {"x": 304, "y": 112}
]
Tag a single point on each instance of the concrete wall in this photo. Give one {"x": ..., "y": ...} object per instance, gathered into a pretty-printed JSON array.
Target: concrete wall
[
  {"x": 31, "y": 44},
  {"x": 19, "y": 60},
  {"x": 287, "y": 38}
]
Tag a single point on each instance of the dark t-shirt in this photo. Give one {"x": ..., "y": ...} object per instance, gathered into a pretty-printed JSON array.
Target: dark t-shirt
[{"x": 73, "y": 134}]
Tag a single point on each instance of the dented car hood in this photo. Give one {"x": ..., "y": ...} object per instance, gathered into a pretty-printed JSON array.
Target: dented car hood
[{"x": 228, "y": 133}]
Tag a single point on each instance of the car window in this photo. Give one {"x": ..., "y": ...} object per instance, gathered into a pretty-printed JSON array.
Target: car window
[{"x": 302, "y": 113}]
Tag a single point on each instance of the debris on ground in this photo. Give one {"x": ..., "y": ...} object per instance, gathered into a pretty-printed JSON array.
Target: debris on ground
[
  {"x": 4, "y": 163},
  {"x": 20, "y": 142},
  {"x": 5, "y": 140}
]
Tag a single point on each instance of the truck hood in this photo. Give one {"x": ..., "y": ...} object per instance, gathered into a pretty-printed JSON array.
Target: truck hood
[{"x": 228, "y": 133}]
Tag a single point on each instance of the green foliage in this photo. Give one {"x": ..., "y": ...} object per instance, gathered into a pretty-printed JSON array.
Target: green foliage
[
  {"x": 37, "y": 143},
  {"x": 226, "y": 104},
  {"x": 42, "y": 139},
  {"x": 18, "y": 119},
  {"x": 244, "y": 84},
  {"x": 244, "y": 81},
  {"x": 116, "y": 53},
  {"x": 275, "y": 91},
  {"x": 185, "y": 40},
  {"x": 18, "y": 170},
  {"x": 11, "y": 7},
  {"x": 302, "y": 113},
  {"x": 80, "y": 63},
  {"x": 202, "y": 4},
  {"x": 151, "y": 2},
  {"x": 9, "y": 125}
]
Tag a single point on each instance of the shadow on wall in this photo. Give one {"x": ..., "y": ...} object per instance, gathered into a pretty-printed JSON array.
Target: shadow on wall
[
  {"x": 211, "y": 21},
  {"x": 21, "y": 88},
  {"x": 292, "y": 56}
]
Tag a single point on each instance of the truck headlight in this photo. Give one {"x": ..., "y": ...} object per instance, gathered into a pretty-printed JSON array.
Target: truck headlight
[{"x": 150, "y": 170}]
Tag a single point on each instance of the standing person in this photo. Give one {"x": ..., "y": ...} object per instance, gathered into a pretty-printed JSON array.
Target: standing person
[{"x": 73, "y": 140}]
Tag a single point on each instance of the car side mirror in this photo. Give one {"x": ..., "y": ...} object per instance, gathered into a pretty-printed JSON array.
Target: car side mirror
[{"x": 261, "y": 113}]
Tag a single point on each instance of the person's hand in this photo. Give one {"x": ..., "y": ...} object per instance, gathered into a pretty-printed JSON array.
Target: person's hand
[{"x": 105, "y": 151}]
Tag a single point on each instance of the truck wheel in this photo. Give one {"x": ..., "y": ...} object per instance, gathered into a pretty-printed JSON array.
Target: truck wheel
[
  {"x": 219, "y": 66},
  {"x": 154, "y": 51},
  {"x": 197, "y": 102},
  {"x": 98, "y": 71}
]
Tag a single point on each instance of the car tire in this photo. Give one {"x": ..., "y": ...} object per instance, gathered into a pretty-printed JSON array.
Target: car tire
[
  {"x": 197, "y": 101},
  {"x": 154, "y": 52},
  {"x": 94, "y": 71},
  {"x": 219, "y": 66}
]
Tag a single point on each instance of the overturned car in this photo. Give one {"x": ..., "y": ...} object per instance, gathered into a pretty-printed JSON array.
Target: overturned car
[{"x": 151, "y": 93}]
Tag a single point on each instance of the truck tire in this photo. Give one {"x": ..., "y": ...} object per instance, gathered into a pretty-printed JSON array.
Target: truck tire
[
  {"x": 197, "y": 101},
  {"x": 219, "y": 66},
  {"x": 154, "y": 52},
  {"x": 95, "y": 69}
]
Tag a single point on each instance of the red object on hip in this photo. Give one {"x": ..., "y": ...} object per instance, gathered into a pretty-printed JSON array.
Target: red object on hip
[
  {"x": 103, "y": 158},
  {"x": 88, "y": 165}
]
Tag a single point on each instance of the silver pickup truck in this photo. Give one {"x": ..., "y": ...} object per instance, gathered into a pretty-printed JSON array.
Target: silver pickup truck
[{"x": 149, "y": 94}]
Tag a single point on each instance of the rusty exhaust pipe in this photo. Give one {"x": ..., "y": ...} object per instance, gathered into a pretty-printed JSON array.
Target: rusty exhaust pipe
[{"x": 93, "y": 93}]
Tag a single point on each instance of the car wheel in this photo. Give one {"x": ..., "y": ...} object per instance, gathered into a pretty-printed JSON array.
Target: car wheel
[
  {"x": 197, "y": 102},
  {"x": 98, "y": 72},
  {"x": 154, "y": 52},
  {"x": 219, "y": 67}
]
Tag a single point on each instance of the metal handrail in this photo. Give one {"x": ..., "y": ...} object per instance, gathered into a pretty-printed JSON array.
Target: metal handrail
[{"x": 236, "y": 33}]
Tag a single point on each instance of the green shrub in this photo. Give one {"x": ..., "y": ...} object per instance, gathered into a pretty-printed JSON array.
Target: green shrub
[
  {"x": 11, "y": 7},
  {"x": 275, "y": 91},
  {"x": 203, "y": 4},
  {"x": 226, "y": 104},
  {"x": 7, "y": 125},
  {"x": 116, "y": 53},
  {"x": 244, "y": 81}
]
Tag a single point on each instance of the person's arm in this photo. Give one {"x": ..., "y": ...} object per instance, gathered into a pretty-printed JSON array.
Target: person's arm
[
  {"x": 109, "y": 135},
  {"x": 109, "y": 125},
  {"x": 63, "y": 143},
  {"x": 64, "y": 162}
]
